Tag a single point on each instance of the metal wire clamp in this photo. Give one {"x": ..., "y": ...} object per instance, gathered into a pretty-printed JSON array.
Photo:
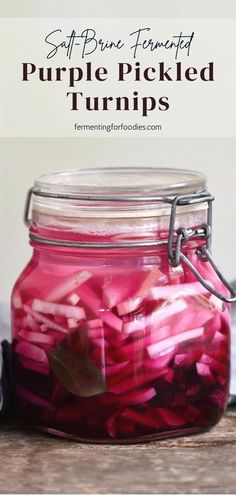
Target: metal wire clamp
[{"x": 178, "y": 238}]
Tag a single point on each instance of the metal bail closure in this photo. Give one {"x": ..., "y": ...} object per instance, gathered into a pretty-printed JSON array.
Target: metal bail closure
[
  {"x": 26, "y": 218},
  {"x": 203, "y": 252}
]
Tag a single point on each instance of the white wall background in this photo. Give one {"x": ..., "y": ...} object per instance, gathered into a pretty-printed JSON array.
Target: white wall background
[
  {"x": 22, "y": 160},
  {"x": 118, "y": 8}
]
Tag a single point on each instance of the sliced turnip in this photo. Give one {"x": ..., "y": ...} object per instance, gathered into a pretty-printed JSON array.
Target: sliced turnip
[
  {"x": 68, "y": 285},
  {"x": 137, "y": 397},
  {"x": 136, "y": 334},
  {"x": 205, "y": 373},
  {"x": 73, "y": 299},
  {"x": 171, "y": 291},
  {"x": 169, "y": 376},
  {"x": 141, "y": 343},
  {"x": 115, "y": 290},
  {"x": 165, "y": 311},
  {"x": 143, "y": 419},
  {"x": 170, "y": 417},
  {"x": 32, "y": 352},
  {"x": 132, "y": 303},
  {"x": 162, "y": 360},
  {"x": 191, "y": 356},
  {"x": 131, "y": 369},
  {"x": 72, "y": 323},
  {"x": 111, "y": 424},
  {"x": 94, "y": 324},
  {"x": 191, "y": 318},
  {"x": 134, "y": 323},
  {"x": 218, "y": 339},
  {"x": 65, "y": 310},
  {"x": 28, "y": 364},
  {"x": 43, "y": 319},
  {"x": 155, "y": 349},
  {"x": 96, "y": 333},
  {"x": 217, "y": 303},
  {"x": 43, "y": 328},
  {"x": 30, "y": 322},
  {"x": 113, "y": 369},
  {"x": 131, "y": 383},
  {"x": 175, "y": 274},
  {"x": 202, "y": 300},
  {"x": 128, "y": 306},
  {"x": 155, "y": 276},
  {"x": 215, "y": 365},
  {"x": 17, "y": 300},
  {"x": 35, "y": 337},
  {"x": 161, "y": 333}
]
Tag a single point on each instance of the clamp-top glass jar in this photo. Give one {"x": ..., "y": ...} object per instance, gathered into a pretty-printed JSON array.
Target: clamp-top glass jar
[{"x": 121, "y": 318}]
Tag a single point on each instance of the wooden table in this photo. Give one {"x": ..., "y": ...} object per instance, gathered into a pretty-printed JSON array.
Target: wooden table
[{"x": 35, "y": 463}]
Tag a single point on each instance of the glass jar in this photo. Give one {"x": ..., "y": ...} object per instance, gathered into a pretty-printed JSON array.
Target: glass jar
[{"x": 121, "y": 319}]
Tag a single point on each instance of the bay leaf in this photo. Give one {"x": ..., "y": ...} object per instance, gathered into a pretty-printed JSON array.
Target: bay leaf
[{"x": 77, "y": 374}]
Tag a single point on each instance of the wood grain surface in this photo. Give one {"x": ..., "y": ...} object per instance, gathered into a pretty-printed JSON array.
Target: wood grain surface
[{"x": 36, "y": 463}]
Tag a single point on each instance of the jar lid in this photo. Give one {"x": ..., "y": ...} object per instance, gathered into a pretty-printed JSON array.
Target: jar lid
[
  {"x": 120, "y": 183},
  {"x": 119, "y": 192}
]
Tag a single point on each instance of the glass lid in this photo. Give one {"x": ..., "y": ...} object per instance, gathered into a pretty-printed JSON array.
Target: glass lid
[{"x": 120, "y": 183}]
